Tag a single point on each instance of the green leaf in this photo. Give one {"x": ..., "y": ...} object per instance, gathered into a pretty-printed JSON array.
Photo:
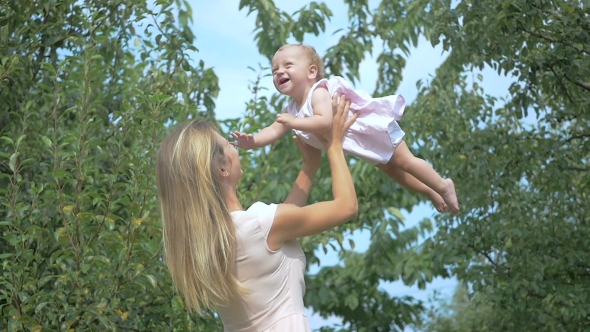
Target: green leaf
[
  {"x": 152, "y": 280},
  {"x": 395, "y": 212},
  {"x": 12, "y": 162}
]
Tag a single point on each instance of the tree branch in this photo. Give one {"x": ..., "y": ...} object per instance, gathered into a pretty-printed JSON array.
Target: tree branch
[
  {"x": 585, "y": 135},
  {"x": 577, "y": 168},
  {"x": 550, "y": 39},
  {"x": 560, "y": 81},
  {"x": 583, "y": 85},
  {"x": 582, "y": 24}
]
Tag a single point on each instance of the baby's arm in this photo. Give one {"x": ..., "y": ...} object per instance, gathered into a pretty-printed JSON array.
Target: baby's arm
[
  {"x": 263, "y": 138},
  {"x": 321, "y": 103}
]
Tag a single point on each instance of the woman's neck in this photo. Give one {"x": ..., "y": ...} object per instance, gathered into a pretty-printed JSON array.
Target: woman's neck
[{"x": 231, "y": 200}]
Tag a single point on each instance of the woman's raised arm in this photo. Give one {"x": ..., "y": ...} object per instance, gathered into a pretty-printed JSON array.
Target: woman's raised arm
[{"x": 293, "y": 222}]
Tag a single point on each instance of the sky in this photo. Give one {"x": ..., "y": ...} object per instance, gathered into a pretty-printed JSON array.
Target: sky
[{"x": 225, "y": 40}]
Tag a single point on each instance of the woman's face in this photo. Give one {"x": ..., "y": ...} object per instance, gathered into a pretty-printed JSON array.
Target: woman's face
[{"x": 232, "y": 159}]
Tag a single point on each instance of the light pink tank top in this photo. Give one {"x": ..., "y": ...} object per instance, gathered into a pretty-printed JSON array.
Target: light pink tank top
[{"x": 274, "y": 278}]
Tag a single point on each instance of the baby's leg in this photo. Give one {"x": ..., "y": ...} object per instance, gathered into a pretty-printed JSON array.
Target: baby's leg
[
  {"x": 408, "y": 181},
  {"x": 419, "y": 168}
]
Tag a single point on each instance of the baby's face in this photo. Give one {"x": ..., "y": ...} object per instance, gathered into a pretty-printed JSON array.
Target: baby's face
[{"x": 290, "y": 68}]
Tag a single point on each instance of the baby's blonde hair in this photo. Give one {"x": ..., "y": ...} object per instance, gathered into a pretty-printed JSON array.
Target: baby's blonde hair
[
  {"x": 313, "y": 57},
  {"x": 199, "y": 234}
]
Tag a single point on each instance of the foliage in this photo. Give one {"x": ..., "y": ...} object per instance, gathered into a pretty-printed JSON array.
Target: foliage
[
  {"x": 523, "y": 178},
  {"x": 89, "y": 87},
  {"x": 520, "y": 243},
  {"x": 352, "y": 290},
  {"x": 460, "y": 315},
  {"x": 86, "y": 89}
]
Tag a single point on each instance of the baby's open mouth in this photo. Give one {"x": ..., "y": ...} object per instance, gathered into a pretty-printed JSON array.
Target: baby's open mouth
[{"x": 283, "y": 80}]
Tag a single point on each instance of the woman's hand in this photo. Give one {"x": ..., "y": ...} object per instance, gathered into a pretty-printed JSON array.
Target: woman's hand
[
  {"x": 340, "y": 123},
  {"x": 312, "y": 157}
]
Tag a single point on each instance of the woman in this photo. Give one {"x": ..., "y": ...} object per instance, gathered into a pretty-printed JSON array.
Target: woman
[{"x": 246, "y": 264}]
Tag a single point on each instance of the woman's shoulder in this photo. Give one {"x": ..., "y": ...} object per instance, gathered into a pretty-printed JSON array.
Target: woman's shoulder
[
  {"x": 258, "y": 206},
  {"x": 264, "y": 214}
]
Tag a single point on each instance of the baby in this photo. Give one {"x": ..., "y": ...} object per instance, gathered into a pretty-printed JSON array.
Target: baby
[{"x": 375, "y": 137}]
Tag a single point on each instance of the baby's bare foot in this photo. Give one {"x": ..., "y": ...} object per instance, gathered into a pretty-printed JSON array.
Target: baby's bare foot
[
  {"x": 438, "y": 202},
  {"x": 450, "y": 197}
]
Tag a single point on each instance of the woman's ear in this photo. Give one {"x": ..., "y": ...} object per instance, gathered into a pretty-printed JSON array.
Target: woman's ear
[
  {"x": 312, "y": 72},
  {"x": 223, "y": 172}
]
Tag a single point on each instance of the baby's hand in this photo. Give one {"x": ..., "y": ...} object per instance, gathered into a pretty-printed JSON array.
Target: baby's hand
[
  {"x": 244, "y": 141},
  {"x": 285, "y": 118}
]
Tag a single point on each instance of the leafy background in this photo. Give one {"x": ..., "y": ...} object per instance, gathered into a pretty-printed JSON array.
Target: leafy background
[{"x": 88, "y": 89}]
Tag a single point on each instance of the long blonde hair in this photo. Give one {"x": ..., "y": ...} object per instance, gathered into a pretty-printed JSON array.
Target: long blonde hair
[{"x": 198, "y": 232}]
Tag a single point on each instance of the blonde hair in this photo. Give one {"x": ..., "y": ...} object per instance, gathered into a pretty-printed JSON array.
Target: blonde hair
[
  {"x": 313, "y": 57},
  {"x": 198, "y": 232}
]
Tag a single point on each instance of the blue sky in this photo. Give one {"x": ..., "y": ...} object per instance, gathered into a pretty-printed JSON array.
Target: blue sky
[{"x": 225, "y": 40}]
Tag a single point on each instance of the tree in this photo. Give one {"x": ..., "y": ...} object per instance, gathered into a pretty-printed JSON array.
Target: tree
[
  {"x": 351, "y": 291},
  {"x": 464, "y": 313},
  {"x": 90, "y": 87},
  {"x": 87, "y": 88},
  {"x": 520, "y": 241}
]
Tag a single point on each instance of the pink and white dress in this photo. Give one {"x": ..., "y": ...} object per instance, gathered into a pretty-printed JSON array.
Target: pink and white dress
[{"x": 375, "y": 134}]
